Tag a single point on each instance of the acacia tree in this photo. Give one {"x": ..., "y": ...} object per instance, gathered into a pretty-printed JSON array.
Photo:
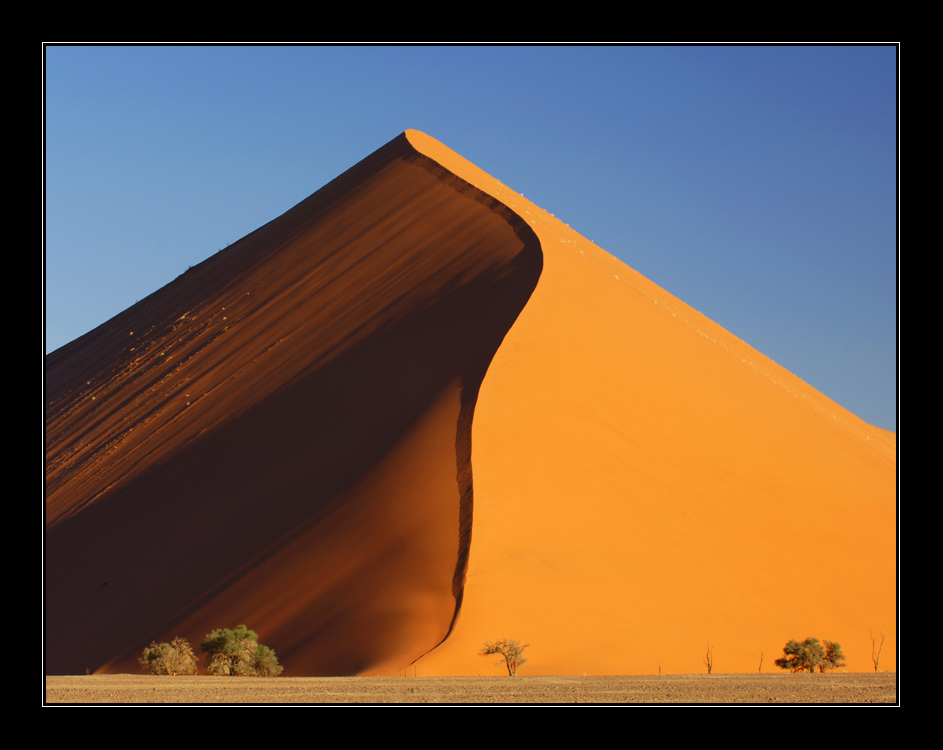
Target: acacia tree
[
  {"x": 810, "y": 654},
  {"x": 237, "y": 652},
  {"x": 511, "y": 651},
  {"x": 801, "y": 656},
  {"x": 174, "y": 658},
  {"x": 834, "y": 658}
]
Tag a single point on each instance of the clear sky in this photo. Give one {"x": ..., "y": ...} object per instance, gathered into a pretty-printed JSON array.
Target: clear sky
[{"x": 757, "y": 184}]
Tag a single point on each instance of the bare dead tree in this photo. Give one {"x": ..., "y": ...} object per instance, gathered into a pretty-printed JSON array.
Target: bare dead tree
[
  {"x": 876, "y": 648},
  {"x": 762, "y": 654},
  {"x": 709, "y": 658}
]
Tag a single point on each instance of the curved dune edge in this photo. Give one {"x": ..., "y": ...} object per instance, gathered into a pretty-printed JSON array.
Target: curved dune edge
[
  {"x": 282, "y": 435},
  {"x": 648, "y": 486}
]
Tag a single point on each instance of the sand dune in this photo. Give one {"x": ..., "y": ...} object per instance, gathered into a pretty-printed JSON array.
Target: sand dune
[{"x": 287, "y": 435}]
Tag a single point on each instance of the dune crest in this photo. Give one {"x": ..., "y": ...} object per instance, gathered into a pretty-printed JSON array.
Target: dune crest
[
  {"x": 416, "y": 412},
  {"x": 281, "y": 436}
]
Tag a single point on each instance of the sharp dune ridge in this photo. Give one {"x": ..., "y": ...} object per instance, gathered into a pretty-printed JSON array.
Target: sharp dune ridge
[{"x": 415, "y": 413}]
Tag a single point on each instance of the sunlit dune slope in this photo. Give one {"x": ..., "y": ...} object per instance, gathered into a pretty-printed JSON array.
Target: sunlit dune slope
[
  {"x": 286, "y": 436},
  {"x": 281, "y": 436},
  {"x": 648, "y": 487}
]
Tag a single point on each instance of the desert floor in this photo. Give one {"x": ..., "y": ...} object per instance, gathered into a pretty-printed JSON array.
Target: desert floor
[{"x": 860, "y": 688}]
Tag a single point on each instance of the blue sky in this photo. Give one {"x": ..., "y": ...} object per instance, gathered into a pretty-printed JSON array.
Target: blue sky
[{"x": 758, "y": 184}]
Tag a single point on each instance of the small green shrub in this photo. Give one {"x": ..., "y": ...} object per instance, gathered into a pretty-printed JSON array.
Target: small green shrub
[
  {"x": 174, "y": 658},
  {"x": 238, "y": 653},
  {"x": 810, "y": 654}
]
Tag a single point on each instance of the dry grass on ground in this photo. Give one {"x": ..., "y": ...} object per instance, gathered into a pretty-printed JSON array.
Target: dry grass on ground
[{"x": 669, "y": 689}]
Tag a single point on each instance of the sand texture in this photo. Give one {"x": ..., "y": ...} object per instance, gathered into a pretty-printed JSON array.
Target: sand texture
[
  {"x": 860, "y": 688},
  {"x": 415, "y": 413}
]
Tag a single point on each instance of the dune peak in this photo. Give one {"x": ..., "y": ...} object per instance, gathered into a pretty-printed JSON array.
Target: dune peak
[{"x": 415, "y": 413}]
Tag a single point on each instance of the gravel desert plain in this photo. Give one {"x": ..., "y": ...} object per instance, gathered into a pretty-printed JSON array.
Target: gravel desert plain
[
  {"x": 863, "y": 688},
  {"x": 416, "y": 413}
]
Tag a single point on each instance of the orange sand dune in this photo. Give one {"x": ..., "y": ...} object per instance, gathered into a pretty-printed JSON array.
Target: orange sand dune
[{"x": 286, "y": 436}]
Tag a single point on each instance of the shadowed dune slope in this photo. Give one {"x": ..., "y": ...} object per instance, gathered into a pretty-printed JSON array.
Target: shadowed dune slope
[
  {"x": 285, "y": 436},
  {"x": 281, "y": 436}
]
